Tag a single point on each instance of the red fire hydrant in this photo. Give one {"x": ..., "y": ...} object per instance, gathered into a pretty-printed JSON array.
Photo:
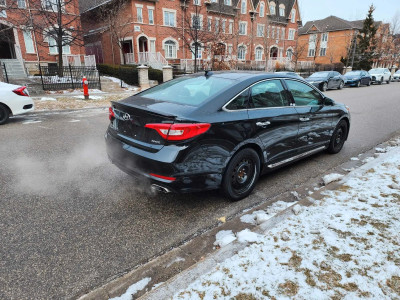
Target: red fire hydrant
[{"x": 85, "y": 88}]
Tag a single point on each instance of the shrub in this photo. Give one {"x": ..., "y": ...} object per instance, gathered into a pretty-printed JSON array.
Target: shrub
[{"x": 129, "y": 74}]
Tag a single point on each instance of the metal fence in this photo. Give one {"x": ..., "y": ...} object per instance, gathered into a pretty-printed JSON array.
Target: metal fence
[
  {"x": 70, "y": 77},
  {"x": 4, "y": 71}
]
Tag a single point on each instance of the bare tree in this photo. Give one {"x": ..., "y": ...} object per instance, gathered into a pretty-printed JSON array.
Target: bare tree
[
  {"x": 56, "y": 21},
  {"x": 298, "y": 52}
]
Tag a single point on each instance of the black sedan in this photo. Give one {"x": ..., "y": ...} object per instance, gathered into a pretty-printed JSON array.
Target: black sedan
[
  {"x": 327, "y": 80},
  {"x": 357, "y": 78},
  {"x": 222, "y": 130}
]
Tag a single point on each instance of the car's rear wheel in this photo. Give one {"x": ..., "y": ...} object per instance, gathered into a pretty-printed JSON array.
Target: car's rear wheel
[
  {"x": 338, "y": 137},
  {"x": 4, "y": 114},
  {"x": 324, "y": 87},
  {"x": 241, "y": 174},
  {"x": 369, "y": 82},
  {"x": 389, "y": 80},
  {"x": 358, "y": 83},
  {"x": 341, "y": 85},
  {"x": 380, "y": 81}
]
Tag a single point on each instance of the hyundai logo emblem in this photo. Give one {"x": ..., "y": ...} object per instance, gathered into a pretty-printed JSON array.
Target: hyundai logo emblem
[{"x": 126, "y": 116}]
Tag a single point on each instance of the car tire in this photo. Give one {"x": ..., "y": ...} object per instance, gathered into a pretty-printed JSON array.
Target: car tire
[
  {"x": 338, "y": 137},
  {"x": 324, "y": 87},
  {"x": 341, "y": 85},
  {"x": 380, "y": 81},
  {"x": 4, "y": 114},
  {"x": 358, "y": 83},
  {"x": 369, "y": 82},
  {"x": 389, "y": 80},
  {"x": 241, "y": 174}
]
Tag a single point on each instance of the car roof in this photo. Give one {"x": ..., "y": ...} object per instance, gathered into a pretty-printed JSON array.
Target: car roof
[{"x": 243, "y": 75}]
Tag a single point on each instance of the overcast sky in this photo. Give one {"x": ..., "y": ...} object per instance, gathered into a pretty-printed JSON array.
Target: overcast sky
[{"x": 348, "y": 9}]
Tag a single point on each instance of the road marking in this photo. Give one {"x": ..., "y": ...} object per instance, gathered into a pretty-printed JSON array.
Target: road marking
[{"x": 31, "y": 122}]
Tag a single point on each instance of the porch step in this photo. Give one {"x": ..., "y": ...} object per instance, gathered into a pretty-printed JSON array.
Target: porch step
[{"x": 14, "y": 68}]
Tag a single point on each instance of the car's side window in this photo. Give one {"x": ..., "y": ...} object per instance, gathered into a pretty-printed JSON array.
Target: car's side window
[
  {"x": 240, "y": 102},
  {"x": 303, "y": 94},
  {"x": 268, "y": 93}
]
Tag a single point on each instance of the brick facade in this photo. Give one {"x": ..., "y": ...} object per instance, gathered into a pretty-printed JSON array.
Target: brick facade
[{"x": 147, "y": 37}]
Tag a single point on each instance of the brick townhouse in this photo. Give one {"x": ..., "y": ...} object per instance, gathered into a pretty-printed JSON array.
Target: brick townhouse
[
  {"x": 243, "y": 30},
  {"x": 22, "y": 48},
  {"x": 326, "y": 41}
]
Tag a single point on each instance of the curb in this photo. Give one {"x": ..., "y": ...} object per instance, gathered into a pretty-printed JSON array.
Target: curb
[
  {"x": 180, "y": 266},
  {"x": 58, "y": 111}
]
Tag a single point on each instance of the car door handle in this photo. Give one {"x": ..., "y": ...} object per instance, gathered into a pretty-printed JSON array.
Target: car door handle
[
  {"x": 263, "y": 124},
  {"x": 304, "y": 119}
]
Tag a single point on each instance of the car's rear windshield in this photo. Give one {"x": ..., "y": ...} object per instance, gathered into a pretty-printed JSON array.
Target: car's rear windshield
[
  {"x": 352, "y": 73},
  {"x": 320, "y": 74},
  {"x": 188, "y": 90},
  {"x": 376, "y": 70}
]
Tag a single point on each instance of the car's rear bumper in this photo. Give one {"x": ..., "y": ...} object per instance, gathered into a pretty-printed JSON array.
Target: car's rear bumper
[
  {"x": 351, "y": 82},
  {"x": 190, "y": 174},
  {"x": 22, "y": 106}
]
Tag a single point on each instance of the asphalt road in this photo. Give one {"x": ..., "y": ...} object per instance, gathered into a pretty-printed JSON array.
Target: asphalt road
[{"x": 70, "y": 221}]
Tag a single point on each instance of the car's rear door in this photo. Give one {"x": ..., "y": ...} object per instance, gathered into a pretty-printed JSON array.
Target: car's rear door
[
  {"x": 273, "y": 119},
  {"x": 316, "y": 120}
]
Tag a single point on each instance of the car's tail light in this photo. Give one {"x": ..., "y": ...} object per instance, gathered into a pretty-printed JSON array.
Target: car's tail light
[
  {"x": 179, "y": 131},
  {"x": 21, "y": 91},
  {"x": 111, "y": 114},
  {"x": 163, "y": 177}
]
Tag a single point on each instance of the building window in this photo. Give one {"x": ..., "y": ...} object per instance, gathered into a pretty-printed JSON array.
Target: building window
[
  {"x": 196, "y": 2},
  {"x": 289, "y": 53},
  {"x": 2, "y": 2},
  {"x": 54, "y": 49},
  {"x": 199, "y": 50},
  {"x": 242, "y": 28},
  {"x": 228, "y": 2},
  {"x": 272, "y": 8},
  {"x": 292, "y": 32},
  {"x": 152, "y": 46},
  {"x": 322, "y": 52},
  {"x": 268, "y": 30},
  {"x": 262, "y": 9},
  {"x": 196, "y": 22},
  {"x": 51, "y": 5},
  {"x": 325, "y": 37},
  {"x": 139, "y": 11},
  {"x": 230, "y": 27},
  {"x": 29, "y": 48},
  {"x": 151, "y": 16},
  {"x": 282, "y": 10},
  {"x": 170, "y": 49},
  {"x": 21, "y": 3},
  {"x": 293, "y": 19},
  {"x": 311, "y": 52},
  {"x": 260, "y": 30},
  {"x": 243, "y": 7},
  {"x": 169, "y": 18},
  {"x": 241, "y": 53},
  {"x": 217, "y": 25},
  {"x": 273, "y": 32},
  {"x": 259, "y": 53},
  {"x": 230, "y": 49},
  {"x": 277, "y": 32},
  {"x": 283, "y": 33},
  {"x": 223, "y": 25},
  {"x": 209, "y": 24}
]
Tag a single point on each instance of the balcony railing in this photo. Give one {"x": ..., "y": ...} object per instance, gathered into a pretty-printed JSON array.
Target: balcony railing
[{"x": 153, "y": 59}]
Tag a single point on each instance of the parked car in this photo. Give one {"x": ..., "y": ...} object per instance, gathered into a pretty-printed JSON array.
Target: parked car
[
  {"x": 289, "y": 73},
  {"x": 396, "y": 76},
  {"x": 380, "y": 75},
  {"x": 14, "y": 100},
  {"x": 357, "y": 78},
  {"x": 221, "y": 130},
  {"x": 327, "y": 80}
]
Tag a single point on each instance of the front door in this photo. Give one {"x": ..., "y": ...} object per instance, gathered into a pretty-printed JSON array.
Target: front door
[
  {"x": 316, "y": 120},
  {"x": 273, "y": 120}
]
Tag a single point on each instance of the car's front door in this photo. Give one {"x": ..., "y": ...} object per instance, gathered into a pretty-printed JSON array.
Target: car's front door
[
  {"x": 273, "y": 119},
  {"x": 316, "y": 120}
]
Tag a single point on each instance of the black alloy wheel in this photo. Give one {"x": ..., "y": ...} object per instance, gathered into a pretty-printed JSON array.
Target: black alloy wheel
[
  {"x": 324, "y": 87},
  {"x": 358, "y": 83},
  {"x": 341, "y": 85},
  {"x": 241, "y": 174},
  {"x": 4, "y": 114},
  {"x": 338, "y": 138}
]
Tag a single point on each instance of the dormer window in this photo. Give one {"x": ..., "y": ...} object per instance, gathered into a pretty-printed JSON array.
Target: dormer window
[
  {"x": 262, "y": 9},
  {"x": 293, "y": 19},
  {"x": 282, "y": 10},
  {"x": 272, "y": 8},
  {"x": 243, "y": 7}
]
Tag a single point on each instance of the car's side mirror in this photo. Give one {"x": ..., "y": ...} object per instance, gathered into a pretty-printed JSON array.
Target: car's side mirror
[{"x": 329, "y": 102}]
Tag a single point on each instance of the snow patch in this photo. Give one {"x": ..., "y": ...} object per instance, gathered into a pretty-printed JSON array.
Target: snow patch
[
  {"x": 48, "y": 99},
  {"x": 247, "y": 236},
  {"x": 133, "y": 289},
  {"x": 224, "y": 237},
  {"x": 331, "y": 178}
]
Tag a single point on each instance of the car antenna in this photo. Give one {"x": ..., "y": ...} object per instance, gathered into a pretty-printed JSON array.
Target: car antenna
[{"x": 208, "y": 73}]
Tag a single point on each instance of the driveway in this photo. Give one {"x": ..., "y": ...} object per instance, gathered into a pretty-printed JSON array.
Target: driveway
[{"x": 71, "y": 221}]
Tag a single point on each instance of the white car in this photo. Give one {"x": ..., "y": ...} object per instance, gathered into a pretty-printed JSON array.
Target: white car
[
  {"x": 14, "y": 100},
  {"x": 380, "y": 75},
  {"x": 396, "y": 76}
]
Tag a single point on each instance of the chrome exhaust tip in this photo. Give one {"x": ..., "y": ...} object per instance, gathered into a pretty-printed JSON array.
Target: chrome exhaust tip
[{"x": 155, "y": 188}]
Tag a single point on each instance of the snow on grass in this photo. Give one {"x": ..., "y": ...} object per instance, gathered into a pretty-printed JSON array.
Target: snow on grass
[
  {"x": 124, "y": 84},
  {"x": 48, "y": 99},
  {"x": 133, "y": 289},
  {"x": 331, "y": 178},
  {"x": 260, "y": 216},
  {"x": 224, "y": 237},
  {"x": 91, "y": 97},
  {"x": 346, "y": 246}
]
